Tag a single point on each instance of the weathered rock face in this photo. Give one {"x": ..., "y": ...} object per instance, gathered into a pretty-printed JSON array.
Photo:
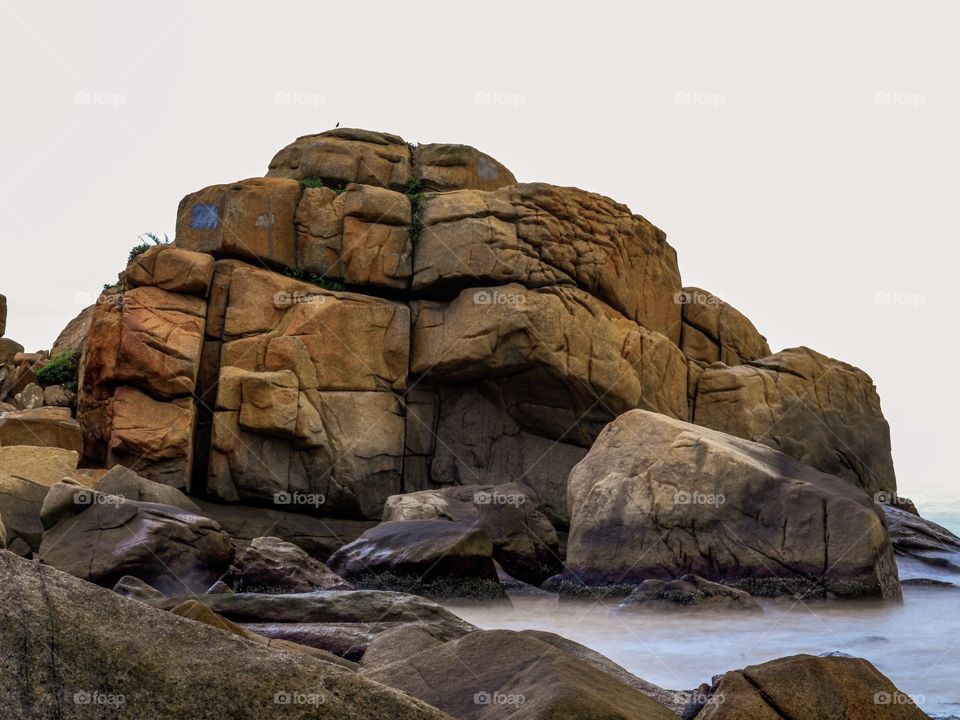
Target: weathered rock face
[
  {"x": 127, "y": 484},
  {"x": 42, "y": 465},
  {"x": 540, "y": 235},
  {"x": 803, "y": 687},
  {"x": 524, "y": 541},
  {"x": 518, "y": 676},
  {"x": 101, "y": 538},
  {"x": 660, "y": 498},
  {"x": 83, "y": 651},
  {"x": 434, "y": 558},
  {"x": 20, "y": 503},
  {"x": 270, "y": 565},
  {"x": 714, "y": 331},
  {"x": 140, "y": 367},
  {"x": 74, "y": 335},
  {"x": 568, "y": 363},
  {"x": 821, "y": 411}
]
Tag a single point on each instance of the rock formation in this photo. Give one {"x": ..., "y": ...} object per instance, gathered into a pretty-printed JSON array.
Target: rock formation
[{"x": 660, "y": 498}]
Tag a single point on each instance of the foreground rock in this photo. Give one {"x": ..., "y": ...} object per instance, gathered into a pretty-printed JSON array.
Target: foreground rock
[
  {"x": 660, "y": 498},
  {"x": 517, "y": 676},
  {"x": 524, "y": 542},
  {"x": 687, "y": 593},
  {"x": 83, "y": 651},
  {"x": 434, "y": 558},
  {"x": 42, "y": 465},
  {"x": 924, "y": 550},
  {"x": 271, "y": 565},
  {"x": 341, "y": 622},
  {"x": 818, "y": 410},
  {"x": 803, "y": 687},
  {"x": 20, "y": 504},
  {"x": 101, "y": 538},
  {"x": 127, "y": 484}
]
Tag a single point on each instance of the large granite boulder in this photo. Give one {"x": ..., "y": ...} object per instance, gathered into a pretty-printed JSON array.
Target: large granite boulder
[
  {"x": 821, "y": 411},
  {"x": 715, "y": 331},
  {"x": 306, "y": 414},
  {"x": 515, "y": 675},
  {"x": 444, "y": 167},
  {"x": 524, "y": 541},
  {"x": 21, "y": 501},
  {"x": 42, "y": 465},
  {"x": 101, "y": 538},
  {"x": 434, "y": 558},
  {"x": 127, "y": 484},
  {"x": 81, "y": 651},
  {"x": 540, "y": 235},
  {"x": 803, "y": 687},
  {"x": 74, "y": 336},
  {"x": 660, "y": 498}
]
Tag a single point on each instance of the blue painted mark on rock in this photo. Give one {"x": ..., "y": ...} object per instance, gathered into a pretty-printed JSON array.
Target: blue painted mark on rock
[{"x": 203, "y": 217}]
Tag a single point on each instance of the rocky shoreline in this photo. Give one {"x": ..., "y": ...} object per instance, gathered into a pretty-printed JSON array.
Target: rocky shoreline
[{"x": 387, "y": 376}]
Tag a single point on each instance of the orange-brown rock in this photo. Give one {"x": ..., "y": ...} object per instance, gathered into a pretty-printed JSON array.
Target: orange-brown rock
[
  {"x": 442, "y": 167},
  {"x": 172, "y": 269},
  {"x": 252, "y": 219},
  {"x": 541, "y": 235},
  {"x": 818, "y": 410}
]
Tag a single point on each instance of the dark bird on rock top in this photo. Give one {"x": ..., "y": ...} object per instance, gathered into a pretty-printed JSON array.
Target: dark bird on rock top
[{"x": 338, "y": 124}]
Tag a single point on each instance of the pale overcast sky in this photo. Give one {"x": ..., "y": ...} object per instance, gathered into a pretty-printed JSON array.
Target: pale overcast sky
[{"x": 801, "y": 156}]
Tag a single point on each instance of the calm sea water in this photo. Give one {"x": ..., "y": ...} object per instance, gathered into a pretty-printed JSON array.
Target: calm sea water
[{"x": 917, "y": 644}]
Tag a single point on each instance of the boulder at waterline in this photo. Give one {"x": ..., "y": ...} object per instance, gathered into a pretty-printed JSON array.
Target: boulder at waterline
[
  {"x": 689, "y": 592},
  {"x": 84, "y": 651},
  {"x": 101, "y": 538},
  {"x": 136, "y": 589},
  {"x": 924, "y": 550},
  {"x": 524, "y": 541},
  {"x": 435, "y": 558},
  {"x": 658, "y": 498},
  {"x": 271, "y": 565},
  {"x": 510, "y": 674},
  {"x": 803, "y": 687}
]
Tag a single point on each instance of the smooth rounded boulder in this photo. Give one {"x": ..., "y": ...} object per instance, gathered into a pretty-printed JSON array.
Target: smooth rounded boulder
[{"x": 660, "y": 498}]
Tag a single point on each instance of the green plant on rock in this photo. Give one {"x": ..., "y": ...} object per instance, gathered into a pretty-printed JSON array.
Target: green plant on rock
[
  {"x": 147, "y": 241},
  {"x": 312, "y": 182},
  {"x": 298, "y": 273},
  {"x": 61, "y": 370}
]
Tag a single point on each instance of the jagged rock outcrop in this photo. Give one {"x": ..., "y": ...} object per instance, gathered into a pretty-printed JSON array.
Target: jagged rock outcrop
[
  {"x": 821, "y": 411},
  {"x": 659, "y": 498},
  {"x": 83, "y": 651}
]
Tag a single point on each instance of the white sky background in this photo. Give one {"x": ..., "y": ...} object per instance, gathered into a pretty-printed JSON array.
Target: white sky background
[{"x": 788, "y": 186}]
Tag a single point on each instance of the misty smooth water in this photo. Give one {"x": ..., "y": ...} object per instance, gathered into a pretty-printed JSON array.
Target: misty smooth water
[{"x": 916, "y": 644}]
